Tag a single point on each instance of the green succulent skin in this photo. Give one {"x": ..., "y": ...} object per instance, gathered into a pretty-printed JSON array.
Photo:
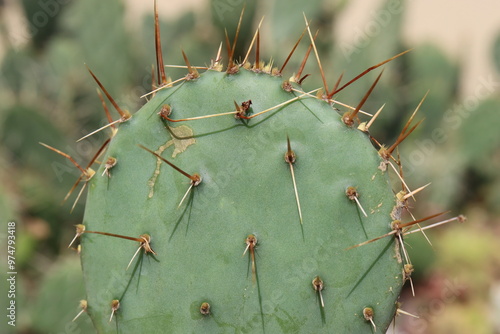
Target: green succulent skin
[{"x": 246, "y": 189}]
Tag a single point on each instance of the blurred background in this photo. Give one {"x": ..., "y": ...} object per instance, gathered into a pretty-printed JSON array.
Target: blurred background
[{"x": 48, "y": 96}]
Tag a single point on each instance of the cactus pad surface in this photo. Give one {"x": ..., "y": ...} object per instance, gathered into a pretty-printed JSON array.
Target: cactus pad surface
[{"x": 235, "y": 202}]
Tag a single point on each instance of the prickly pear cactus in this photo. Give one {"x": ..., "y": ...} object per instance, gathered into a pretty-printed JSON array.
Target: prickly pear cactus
[
  {"x": 231, "y": 202},
  {"x": 246, "y": 189}
]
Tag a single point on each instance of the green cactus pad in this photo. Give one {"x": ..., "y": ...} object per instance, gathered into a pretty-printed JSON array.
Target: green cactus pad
[{"x": 202, "y": 280}]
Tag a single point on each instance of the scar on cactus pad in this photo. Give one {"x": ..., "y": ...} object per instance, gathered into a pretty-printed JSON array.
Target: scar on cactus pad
[{"x": 215, "y": 161}]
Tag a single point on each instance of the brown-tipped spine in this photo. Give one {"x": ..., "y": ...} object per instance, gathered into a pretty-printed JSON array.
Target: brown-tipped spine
[
  {"x": 298, "y": 79},
  {"x": 123, "y": 113},
  {"x": 369, "y": 70},
  {"x": 162, "y": 78},
  {"x": 192, "y": 72},
  {"x": 231, "y": 66},
  {"x": 349, "y": 117},
  {"x": 195, "y": 178}
]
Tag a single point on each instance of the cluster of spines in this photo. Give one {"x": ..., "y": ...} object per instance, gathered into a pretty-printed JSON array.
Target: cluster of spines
[{"x": 350, "y": 118}]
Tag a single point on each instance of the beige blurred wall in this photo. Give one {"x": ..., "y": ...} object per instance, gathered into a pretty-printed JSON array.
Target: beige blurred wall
[{"x": 465, "y": 29}]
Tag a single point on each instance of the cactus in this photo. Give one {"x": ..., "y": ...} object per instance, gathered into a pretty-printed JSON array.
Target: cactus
[
  {"x": 235, "y": 201},
  {"x": 57, "y": 318}
]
